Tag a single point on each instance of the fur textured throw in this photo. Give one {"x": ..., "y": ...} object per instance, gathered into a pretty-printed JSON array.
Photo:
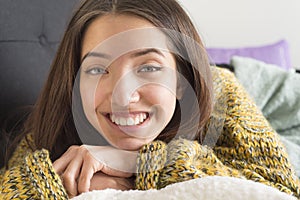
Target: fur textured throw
[{"x": 211, "y": 187}]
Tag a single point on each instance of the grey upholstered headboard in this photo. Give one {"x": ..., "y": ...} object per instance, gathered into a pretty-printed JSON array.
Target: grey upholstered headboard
[{"x": 30, "y": 31}]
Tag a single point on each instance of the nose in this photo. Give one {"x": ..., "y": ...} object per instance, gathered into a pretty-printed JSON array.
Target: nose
[{"x": 125, "y": 89}]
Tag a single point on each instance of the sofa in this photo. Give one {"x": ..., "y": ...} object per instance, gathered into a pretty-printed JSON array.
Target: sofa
[{"x": 29, "y": 36}]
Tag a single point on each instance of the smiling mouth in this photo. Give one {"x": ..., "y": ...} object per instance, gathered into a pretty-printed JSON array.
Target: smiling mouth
[{"x": 128, "y": 119}]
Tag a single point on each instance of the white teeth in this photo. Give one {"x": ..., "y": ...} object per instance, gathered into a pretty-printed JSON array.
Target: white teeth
[
  {"x": 112, "y": 118},
  {"x": 122, "y": 121},
  {"x": 137, "y": 120},
  {"x": 141, "y": 118},
  {"x": 128, "y": 121},
  {"x": 117, "y": 120}
]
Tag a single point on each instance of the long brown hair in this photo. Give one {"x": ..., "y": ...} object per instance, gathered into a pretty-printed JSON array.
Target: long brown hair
[{"x": 51, "y": 121}]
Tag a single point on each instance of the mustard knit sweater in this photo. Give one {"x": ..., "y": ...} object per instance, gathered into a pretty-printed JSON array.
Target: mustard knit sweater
[{"x": 245, "y": 147}]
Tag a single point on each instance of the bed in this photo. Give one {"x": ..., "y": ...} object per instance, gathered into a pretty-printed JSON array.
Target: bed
[{"x": 26, "y": 49}]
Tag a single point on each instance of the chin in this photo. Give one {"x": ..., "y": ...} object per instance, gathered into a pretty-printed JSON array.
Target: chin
[{"x": 131, "y": 144}]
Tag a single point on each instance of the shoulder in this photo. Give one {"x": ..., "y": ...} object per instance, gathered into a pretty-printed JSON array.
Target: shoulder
[
  {"x": 224, "y": 78},
  {"x": 229, "y": 92},
  {"x": 25, "y": 147},
  {"x": 33, "y": 176},
  {"x": 235, "y": 111}
]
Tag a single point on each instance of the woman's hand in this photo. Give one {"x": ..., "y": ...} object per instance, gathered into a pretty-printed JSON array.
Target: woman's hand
[
  {"x": 101, "y": 181},
  {"x": 79, "y": 164}
]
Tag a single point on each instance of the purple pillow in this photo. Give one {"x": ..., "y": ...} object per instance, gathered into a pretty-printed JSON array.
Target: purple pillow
[{"x": 276, "y": 54}]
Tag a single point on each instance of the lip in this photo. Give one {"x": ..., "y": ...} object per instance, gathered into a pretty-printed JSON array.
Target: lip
[
  {"x": 126, "y": 114},
  {"x": 127, "y": 129}
]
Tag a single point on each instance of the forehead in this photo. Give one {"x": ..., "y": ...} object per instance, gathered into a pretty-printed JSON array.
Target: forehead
[
  {"x": 110, "y": 25},
  {"x": 135, "y": 36}
]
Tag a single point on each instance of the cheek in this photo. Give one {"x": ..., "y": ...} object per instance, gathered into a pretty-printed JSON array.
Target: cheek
[
  {"x": 88, "y": 93},
  {"x": 100, "y": 94},
  {"x": 93, "y": 93},
  {"x": 162, "y": 97}
]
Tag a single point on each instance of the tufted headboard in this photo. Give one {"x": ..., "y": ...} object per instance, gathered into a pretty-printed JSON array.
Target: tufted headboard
[{"x": 29, "y": 35}]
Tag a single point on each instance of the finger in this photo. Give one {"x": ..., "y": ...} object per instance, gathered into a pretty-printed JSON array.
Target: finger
[
  {"x": 61, "y": 163},
  {"x": 114, "y": 172},
  {"x": 120, "y": 185},
  {"x": 102, "y": 181},
  {"x": 89, "y": 167},
  {"x": 116, "y": 159},
  {"x": 71, "y": 174},
  {"x": 126, "y": 184}
]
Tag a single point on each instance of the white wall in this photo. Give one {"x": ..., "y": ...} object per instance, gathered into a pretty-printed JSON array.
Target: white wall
[{"x": 237, "y": 23}]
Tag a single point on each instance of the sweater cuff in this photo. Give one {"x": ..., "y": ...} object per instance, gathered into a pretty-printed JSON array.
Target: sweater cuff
[
  {"x": 42, "y": 176},
  {"x": 150, "y": 162}
]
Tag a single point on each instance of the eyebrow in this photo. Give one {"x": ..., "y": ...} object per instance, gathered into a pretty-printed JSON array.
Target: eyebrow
[
  {"x": 136, "y": 54},
  {"x": 147, "y": 51},
  {"x": 95, "y": 54}
]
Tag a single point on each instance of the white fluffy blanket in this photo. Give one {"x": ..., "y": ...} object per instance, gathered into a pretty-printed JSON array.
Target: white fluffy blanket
[{"x": 212, "y": 188}]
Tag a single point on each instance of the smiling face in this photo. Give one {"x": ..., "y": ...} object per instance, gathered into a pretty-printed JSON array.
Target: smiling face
[{"x": 128, "y": 93}]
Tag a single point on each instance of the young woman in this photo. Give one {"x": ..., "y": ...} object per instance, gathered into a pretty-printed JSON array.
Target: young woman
[{"x": 137, "y": 73}]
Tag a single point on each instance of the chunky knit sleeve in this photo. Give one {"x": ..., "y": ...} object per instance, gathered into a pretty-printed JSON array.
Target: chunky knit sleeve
[
  {"x": 30, "y": 175},
  {"x": 180, "y": 160},
  {"x": 239, "y": 142},
  {"x": 248, "y": 142}
]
